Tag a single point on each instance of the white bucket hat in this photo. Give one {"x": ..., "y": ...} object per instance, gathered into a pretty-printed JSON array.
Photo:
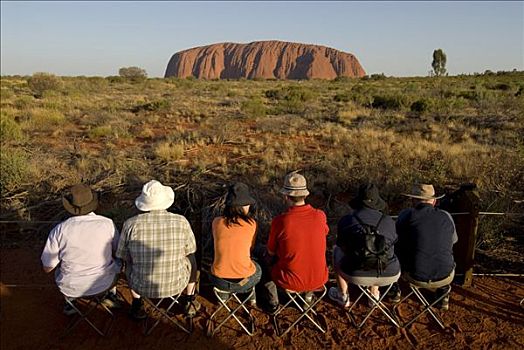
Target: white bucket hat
[
  {"x": 295, "y": 185},
  {"x": 155, "y": 196}
]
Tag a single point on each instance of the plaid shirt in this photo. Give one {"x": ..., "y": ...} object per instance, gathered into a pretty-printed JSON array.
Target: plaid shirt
[{"x": 155, "y": 246}]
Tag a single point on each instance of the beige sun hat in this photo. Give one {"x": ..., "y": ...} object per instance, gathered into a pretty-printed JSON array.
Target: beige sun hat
[
  {"x": 423, "y": 191},
  {"x": 155, "y": 196},
  {"x": 80, "y": 199},
  {"x": 295, "y": 185}
]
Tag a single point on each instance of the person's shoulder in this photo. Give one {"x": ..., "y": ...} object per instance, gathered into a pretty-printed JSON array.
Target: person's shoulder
[{"x": 103, "y": 219}]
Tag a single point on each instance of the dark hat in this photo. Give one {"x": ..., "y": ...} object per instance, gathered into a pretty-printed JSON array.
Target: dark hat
[
  {"x": 238, "y": 195},
  {"x": 368, "y": 197},
  {"x": 80, "y": 200}
]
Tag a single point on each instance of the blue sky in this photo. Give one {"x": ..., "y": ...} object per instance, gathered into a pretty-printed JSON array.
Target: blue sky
[{"x": 391, "y": 37}]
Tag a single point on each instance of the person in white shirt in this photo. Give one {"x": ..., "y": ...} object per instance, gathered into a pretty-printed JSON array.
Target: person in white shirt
[{"x": 81, "y": 249}]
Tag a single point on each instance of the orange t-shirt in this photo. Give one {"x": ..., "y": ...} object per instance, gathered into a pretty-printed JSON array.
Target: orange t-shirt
[{"x": 233, "y": 248}]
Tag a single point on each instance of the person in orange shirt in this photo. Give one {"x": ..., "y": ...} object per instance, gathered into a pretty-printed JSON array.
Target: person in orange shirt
[{"x": 234, "y": 235}]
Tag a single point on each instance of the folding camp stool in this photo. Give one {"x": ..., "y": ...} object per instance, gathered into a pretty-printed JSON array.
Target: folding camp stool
[
  {"x": 233, "y": 297},
  {"x": 307, "y": 311},
  {"x": 416, "y": 286},
  {"x": 376, "y": 304},
  {"x": 164, "y": 313},
  {"x": 84, "y": 307}
]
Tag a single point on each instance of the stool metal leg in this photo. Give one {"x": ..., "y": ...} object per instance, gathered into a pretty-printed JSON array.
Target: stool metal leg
[
  {"x": 232, "y": 312},
  {"x": 293, "y": 296},
  {"x": 164, "y": 313},
  {"x": 377, "y": 304},
  {"x": 428, "y": 306},
  {"x": 92, "y": 304}
]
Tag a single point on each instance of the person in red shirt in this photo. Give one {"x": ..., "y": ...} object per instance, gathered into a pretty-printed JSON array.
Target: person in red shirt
[{"x": 297, "y": 240}]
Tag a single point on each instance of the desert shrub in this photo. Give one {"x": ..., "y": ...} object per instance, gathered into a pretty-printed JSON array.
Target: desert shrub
[
  {"x": 9, "y": 129},
  {"x": 45, "y": 119},
  {"x": 421, "y": 106},
  {"x": 154, "y": 106},
  {"x": 135, "y": 74},
  {"x": 115, "y": 79},
  {"x": 389, "y": 101},
  {"x": 291, "y": 99},
  {"x": 254, "y": 107},
  {"x": 14, "y": 169},
  {"x": 168, "y": 151},
  {"x": 100, "y": 131},
  {"x": 41, "y": 82},
  {"x": 342, "y": 97}
]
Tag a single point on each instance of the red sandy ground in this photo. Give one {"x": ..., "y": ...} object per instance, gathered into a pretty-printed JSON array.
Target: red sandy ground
[{"x": 484, "y": 316}]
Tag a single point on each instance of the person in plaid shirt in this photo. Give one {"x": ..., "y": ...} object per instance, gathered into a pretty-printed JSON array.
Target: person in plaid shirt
[{"x": 159, "y": 250}]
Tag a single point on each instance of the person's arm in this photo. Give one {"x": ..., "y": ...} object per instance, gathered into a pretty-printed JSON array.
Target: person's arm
[
  {"x": 51, "y": 254},
  {"x": 122, "y": 246},
  {"x": 254, "y": 237},
  {"x": 272, "y": 240},
  {"x": 190, "y": 244}
]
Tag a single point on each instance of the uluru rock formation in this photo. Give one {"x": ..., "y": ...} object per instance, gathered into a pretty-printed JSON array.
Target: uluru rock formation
[{"x": 263, "y": 59}]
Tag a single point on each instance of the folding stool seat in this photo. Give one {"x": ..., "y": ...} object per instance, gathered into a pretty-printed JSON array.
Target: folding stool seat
[
  {"x": 306, "y": 309},
  {"x": 416, "y": 286},
  {"x": 155, "y": 305},
  {"x": 376, "y": 303},
  {"x": 84, "y": 307},
  {"x": 234, "y": 299}
]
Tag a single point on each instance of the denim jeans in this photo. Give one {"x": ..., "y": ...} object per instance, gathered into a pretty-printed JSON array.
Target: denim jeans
[{"x": 236, "y": 287}]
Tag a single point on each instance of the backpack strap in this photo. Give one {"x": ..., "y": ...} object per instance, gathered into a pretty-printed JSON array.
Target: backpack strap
[{"x": 375, "y": 226}]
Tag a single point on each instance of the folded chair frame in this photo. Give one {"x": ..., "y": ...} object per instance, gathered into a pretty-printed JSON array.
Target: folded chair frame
[
  {"x": 298, "y": 301},
  {"x": 241, "y": 305}
]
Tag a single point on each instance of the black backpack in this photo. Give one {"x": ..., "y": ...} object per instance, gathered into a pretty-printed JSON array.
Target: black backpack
[{"x": 370, "y": 250}]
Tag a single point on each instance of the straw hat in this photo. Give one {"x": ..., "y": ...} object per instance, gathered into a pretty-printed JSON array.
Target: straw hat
[
  {"x": 422, "y": 191},
  {"x": 295, "y": 185},
  {"x": 80, "y": 200},
  {"x": 155, "y": 196}
]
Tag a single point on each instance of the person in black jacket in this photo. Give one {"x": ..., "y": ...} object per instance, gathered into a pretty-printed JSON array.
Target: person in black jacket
[
  {"x": 426, "y": 238},
  {"x": 368, "y": 209}
]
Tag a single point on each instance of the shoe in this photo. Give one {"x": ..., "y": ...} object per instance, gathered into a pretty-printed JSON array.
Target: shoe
[
  {"x": 137, "y": 311},
  {"x": 395, "y": 297},
  {"x": 272, "y": 308},
  {"x": 444, "y": 303},
  {"x": 308, "y": 298},
  {"x": 112, "y": 301},
  {"x": 69, "y": 310},
  {"x": 223, "y": 296},
  {"x": 335, "y": 295},
  {"x": 376, "y": 296},
  {"x": 191, "y": 306},
  {"x": 252, "y": 302}
]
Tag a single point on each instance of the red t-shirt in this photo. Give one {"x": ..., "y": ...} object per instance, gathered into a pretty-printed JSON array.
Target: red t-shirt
[{"x": 298, "y": 239}]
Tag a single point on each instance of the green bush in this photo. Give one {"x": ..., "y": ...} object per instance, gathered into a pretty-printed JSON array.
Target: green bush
[
  {"x": 254, "y": 107},
  {"x": 9, "y": 129},
  {"x": 389, "y": 101},
  {"x": 14, "y": 169},
  {"x": 154, "y": 106},
  {"x": 100, "y": 131},
  {"x": 342, "y": 97},
  {"x": 135, "y": 74},
  {"x": 421, "y": 106},
  {"x": 41, "y": 82}
]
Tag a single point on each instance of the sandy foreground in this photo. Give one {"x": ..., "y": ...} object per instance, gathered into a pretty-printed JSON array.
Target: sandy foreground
[{"x": 484, "y": 316}]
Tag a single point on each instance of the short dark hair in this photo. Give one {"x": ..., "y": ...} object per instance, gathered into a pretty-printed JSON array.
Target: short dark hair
[{"x": 234, "y": 213}]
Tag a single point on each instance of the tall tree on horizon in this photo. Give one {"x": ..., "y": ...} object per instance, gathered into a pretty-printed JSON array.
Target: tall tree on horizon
[{"x": 439, "y": 62}]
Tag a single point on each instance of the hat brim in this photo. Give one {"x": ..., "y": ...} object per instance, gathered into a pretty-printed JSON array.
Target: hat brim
[
  {"x": 85, "y": 209},
  {"x": 358, "y": 202},
  {"x": 144, "y": 205},
  {"x": 294, "y": 193},
  {"x": 422, "y": 197}
]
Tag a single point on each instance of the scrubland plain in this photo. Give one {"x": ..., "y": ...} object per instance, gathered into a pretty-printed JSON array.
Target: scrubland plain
[{"x": 196, "y": 136}]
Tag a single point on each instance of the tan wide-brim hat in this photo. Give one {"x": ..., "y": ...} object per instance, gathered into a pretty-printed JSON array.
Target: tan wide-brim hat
[
  {"x": 422, "y": 191},
  {"x": 155, "y": 196},
  {"x": 80, "y": 200},
  {"x": 295, "y": 185}
]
